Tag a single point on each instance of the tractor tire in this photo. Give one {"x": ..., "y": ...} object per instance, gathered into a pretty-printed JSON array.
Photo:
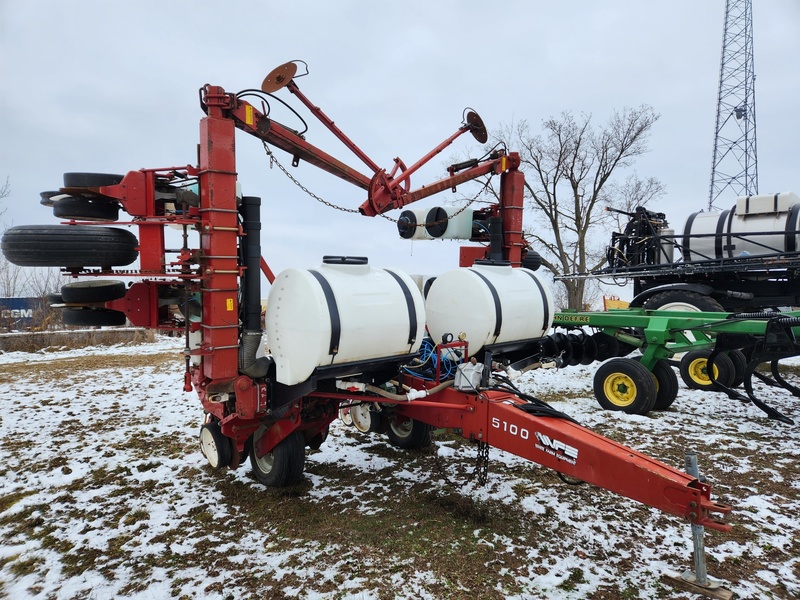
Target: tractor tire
[
  {"x": 622, "y": 384},
  {"x": 683, "y": 301},
  {"x": 694, "y": 370},
  {"x": 98, "y": 290},
  {"x": 92, "y": 317},
  {"x": 90, "y": 180},
  {"x": 69, "y": 246},
  {"x": 284, "y": 465},
  {"x": 409, "y": 434},
  {"x": 85, "y": 209}
]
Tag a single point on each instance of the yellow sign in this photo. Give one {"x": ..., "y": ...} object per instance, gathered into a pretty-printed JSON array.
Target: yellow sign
[{"x": 229, "y": 304}]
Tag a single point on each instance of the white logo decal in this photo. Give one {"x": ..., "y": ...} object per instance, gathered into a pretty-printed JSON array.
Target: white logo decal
[{"x": 557, "y": 448}]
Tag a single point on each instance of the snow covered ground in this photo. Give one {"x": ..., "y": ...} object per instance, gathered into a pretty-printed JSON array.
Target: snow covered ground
[{"x": 106, "y": 495}]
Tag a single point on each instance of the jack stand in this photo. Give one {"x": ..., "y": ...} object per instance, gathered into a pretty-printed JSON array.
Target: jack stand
[{"x": 698, "y": 581}]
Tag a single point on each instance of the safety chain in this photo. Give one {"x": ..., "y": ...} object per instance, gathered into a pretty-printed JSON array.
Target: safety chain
[
  {"x": 482, "y": 464},
  {"x": 481, "y": 472},
  {"x": 274, "y": 160}
]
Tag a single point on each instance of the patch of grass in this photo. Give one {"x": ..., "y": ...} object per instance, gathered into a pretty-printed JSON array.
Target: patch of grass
[
  {"x": 573, "y": 579},
  {"x": 9, "y": 500},
  {"x": 21, "y": 567}
]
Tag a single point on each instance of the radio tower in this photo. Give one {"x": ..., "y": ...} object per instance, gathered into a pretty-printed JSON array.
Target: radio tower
[{"x": 734, "y": 166}]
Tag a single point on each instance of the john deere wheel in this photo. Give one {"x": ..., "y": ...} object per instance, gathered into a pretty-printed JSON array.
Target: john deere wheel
[
  {"x": 284, "y": 465},
  {"x": 739, "y": 366},
  {"x": 622, "y": 384},
  {"x": 666, "y": 385},
  {"x": 694, "y": 370}
]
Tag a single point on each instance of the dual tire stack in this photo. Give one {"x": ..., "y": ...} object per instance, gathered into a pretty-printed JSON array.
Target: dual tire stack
[{"x": 77, "y": 247}]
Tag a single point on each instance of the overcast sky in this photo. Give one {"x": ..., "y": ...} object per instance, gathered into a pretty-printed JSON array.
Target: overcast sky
[{"x": 104, "y": 86}]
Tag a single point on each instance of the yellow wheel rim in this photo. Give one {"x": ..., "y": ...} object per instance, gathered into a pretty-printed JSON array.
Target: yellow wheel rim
[
  {"x": 698, "y": 371},
  {"x": 620, "y": 389}
]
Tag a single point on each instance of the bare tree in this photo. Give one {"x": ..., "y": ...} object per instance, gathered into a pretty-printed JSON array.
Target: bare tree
[
  {"x": 5, "y": 190},
  {"x": 569, "y": 182}
]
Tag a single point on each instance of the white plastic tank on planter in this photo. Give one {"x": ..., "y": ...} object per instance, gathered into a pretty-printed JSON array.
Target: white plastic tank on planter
[
  {"x": 735, "y": 233},
  {"x": 339, "y": 313},
  {"x": 491, "y": 303}
]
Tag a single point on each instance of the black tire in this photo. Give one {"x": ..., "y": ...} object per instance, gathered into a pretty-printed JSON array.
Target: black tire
[
  {"x": 46, "y": 198},
  {"x": 85, "y": 209},
  {"x": 92, "y": 317},
  {"x": 694, "y": 370},
  {"x": 409, "y": 434},
  {"x": 683, "y": 301},
  {"x": 284, "y": 465},
  {"x": 98, "y": 290},
  {"x": 622, "y": 384},
  {"x": 214, "y": 446},
  {"x": 69, "y": 246},
  {"x": 78, "y": 180},
  {"x": 54, "y": 299},
  {"x": 739, "y": 366},
  {"x": 666, "y": 384}
]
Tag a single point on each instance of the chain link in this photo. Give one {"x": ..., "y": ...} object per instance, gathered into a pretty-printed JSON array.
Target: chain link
[
  {"x": 479, "y": 474},
  {"x": 482, "y": 464},
  {"x": 274, "y": 160}
]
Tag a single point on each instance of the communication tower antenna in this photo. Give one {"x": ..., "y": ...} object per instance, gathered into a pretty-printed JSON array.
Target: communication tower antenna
[{"x": 734, "y": 169}]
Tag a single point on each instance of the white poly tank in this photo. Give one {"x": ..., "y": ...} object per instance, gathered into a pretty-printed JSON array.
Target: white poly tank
[
  {"x": 754, "y": 226},
  {"x": 339, "y": 313},
  {"x": 490, "y": 304}
]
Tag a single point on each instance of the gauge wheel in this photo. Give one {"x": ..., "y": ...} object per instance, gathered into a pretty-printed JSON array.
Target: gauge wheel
[
  {"x": 623, "y": 384},
  {"x": 69, "y": 246},
  {"x": 92, "y": 317},
  {"x": 85, "y": 209},
  {"x": 98, "y": 290},
  {"x": 739, "y": 367},
  {"x": 409, "y": 434},
  {"x": 89, "y": 180},
  {"x": 694, "y": 370},
  {"x": 345, "y": 416},
  {"x": 215, "y": 446},
  {"x": 284, "y": 465}
]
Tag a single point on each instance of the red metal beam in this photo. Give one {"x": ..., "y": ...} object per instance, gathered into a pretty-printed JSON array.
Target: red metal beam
[{"x": 574, "y": 451}]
